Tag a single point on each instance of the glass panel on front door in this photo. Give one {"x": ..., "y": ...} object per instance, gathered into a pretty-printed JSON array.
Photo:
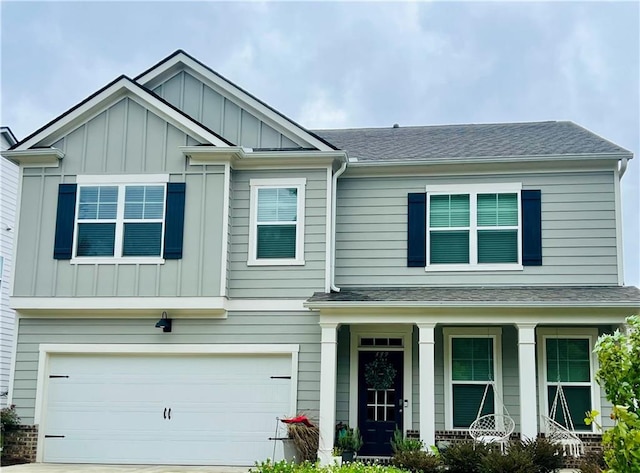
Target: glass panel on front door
[{"x": 381, "y": 405}]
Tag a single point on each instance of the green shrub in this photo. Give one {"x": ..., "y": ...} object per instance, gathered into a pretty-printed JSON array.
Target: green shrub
[
  {"x": 592, "y": 462},
  {"x": 283, "y": 466},
  {"x": 416, "y": 461},
  {"x": 463, "y": 457},
  {"x": 9, "y": 418},
  {"x": 400, "y": 443},
  {"x": 269, "y": 466},
  {"x": 546, "y": 455},
  {"x": 515, "y": 460}
]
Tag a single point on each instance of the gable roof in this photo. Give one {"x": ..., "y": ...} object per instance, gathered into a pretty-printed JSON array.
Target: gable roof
[
  {"x": 171, "y": 63},
  {"x": 422, "y": 143},
  {"x": 116, "y": 89}
]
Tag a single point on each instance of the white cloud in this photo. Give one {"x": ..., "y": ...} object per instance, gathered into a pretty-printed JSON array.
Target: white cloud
[{"x": 319, "y": 111}]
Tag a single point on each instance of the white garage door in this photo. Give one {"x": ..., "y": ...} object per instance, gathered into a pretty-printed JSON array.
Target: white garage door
[{"x": 202, "y": 409}]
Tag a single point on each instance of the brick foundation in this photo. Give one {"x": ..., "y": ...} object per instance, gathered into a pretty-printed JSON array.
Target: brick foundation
[{"x": 20, "y": 444}]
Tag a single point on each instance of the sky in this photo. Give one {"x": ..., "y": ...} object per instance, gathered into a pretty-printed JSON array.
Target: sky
[{"x": 351, "y": 64}]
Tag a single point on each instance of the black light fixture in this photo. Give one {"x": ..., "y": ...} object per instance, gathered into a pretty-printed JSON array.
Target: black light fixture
[{"x": 164, "y": 323}]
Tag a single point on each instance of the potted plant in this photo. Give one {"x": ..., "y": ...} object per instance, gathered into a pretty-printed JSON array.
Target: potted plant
[{"x": 350, "y": 442}]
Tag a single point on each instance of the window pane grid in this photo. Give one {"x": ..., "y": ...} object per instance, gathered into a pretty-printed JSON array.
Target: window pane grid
[
  {"x": 276, "y": 223},
  {"x": 126, "y": 220},
  {"x": 381, "y": 404}
]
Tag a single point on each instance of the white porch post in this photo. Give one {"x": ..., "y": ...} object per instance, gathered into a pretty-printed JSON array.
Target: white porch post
[
  {"x": 527, "y": 380},
  {"x": 327, "y": 415},
  {"x": 426, "y": 353}
]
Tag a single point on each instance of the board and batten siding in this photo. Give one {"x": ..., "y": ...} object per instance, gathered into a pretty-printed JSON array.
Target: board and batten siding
[
  {"x": 578, "y": 232},
  {"x": 124, "y": 139},
  {"x": 239, "y": 328},
  {"x": 8, "y": 195},
  {"x": 220, "y": 114},
  {"x": 278, "y": 281}
]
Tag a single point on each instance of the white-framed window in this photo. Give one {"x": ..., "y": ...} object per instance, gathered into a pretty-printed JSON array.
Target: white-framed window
[
  {"x": 276, "y": 229},
  {"x": 566, "y": 358},
  {"x": 120, "y": 218},
  {"x": 472, "y": 359},
  {"x": 474, "y": 227}
]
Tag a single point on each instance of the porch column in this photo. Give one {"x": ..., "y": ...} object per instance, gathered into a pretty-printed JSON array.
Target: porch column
[
  {"x": 527, "y": 381},
  {"x": 327, "y": 415},
  {"x": 426, "y": 353}
]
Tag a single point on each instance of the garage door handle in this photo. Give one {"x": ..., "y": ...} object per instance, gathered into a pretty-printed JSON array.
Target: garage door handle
[
  {"x": 169, "y": 413},
  {"x": 165, "y": 413}
]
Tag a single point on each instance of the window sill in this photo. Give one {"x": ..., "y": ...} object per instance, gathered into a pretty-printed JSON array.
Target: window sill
[
  {"x": 132, "y": 260},
  {"x": 275, "y": 262},
  {"x": 473, "y": 267}
]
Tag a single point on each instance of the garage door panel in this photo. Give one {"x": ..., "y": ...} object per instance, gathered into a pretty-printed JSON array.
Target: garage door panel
[{"x": 115, "y": 409}]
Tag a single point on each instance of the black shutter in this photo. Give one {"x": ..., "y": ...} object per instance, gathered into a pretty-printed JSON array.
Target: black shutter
[
  {"x": 417, "y": 230},
  {"x": 65, "y": 219},
  {"x": 531, "y": 228},
  {"x": 174, "y": 220}
]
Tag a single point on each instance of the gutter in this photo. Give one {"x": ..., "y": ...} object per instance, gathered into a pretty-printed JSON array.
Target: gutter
[
  {"x": 459, "y": 304},
  {"x": 623, "y": 167},
  {"x": 334, "y": 191}
]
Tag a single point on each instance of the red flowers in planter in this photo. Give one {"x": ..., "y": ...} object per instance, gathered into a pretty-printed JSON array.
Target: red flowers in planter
[{"x": 301, "y": 419}]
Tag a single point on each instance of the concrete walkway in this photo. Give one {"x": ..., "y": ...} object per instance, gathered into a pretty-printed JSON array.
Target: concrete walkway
[{"x": 76, "y": 468}]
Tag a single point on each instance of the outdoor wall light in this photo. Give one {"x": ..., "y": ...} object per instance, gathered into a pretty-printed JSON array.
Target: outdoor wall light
[{"x": 164, "y": 323}]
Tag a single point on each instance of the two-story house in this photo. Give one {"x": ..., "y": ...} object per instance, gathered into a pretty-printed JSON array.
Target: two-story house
[{"x": 192, "y": 265}]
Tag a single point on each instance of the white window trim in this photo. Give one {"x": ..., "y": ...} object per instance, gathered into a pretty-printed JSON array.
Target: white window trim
[
  {"x": 473, "y": 190},
  {"x": 494, "y": 333},
  {"x": 543, "y": 334},
  {"x": 255, "y": 184},
  {"x": 120, "y": 181}
]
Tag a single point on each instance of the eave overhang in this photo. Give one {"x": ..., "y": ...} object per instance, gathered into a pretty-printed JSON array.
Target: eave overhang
[
  {"x": 35, "y": 157},
  {"x": 239, "y": 157}
]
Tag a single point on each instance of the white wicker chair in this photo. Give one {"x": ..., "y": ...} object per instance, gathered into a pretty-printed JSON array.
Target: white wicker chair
[
  {"x": 492, "y": 428},
  {"x": 557, "y": 433}
]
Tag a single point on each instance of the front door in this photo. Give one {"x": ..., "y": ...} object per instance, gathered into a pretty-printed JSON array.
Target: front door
[{"x": 380, "y": 399}]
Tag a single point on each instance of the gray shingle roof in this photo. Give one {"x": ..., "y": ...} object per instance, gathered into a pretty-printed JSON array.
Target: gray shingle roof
[
  {"x": 433, "y": 296},
  {"x": 468, "y": 141}
]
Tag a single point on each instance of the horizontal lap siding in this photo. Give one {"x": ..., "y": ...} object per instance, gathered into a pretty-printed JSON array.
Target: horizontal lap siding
[
  {"x": 240, "y": 328},
  {"x": 278, "y": 281},
  {"x": 9, "y": 186},
  {"x": 124, "y": 139},
  {"x": 578, "y": 232},
  {"x": 220, "y": 114}
]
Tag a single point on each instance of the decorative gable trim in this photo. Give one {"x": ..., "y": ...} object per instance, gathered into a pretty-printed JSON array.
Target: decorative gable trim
[
  {"x": 107, "y": 96},
  {"x": 283, "y": 124}
]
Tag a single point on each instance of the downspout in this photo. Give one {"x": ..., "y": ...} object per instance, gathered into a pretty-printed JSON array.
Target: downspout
[
  {"x": 623, "y": 167},
  {"x": 334, "y": 191}
]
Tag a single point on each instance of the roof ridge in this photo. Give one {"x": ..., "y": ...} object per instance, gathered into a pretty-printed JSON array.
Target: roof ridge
[{"x": 447, "y": 125}]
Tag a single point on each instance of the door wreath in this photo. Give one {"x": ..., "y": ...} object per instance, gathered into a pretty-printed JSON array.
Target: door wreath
[{"x": 380, "y": 374}]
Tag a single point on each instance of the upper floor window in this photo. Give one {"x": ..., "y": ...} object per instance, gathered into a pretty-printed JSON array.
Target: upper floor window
[
  {"x": 126, "y": 218},
  {"x": 276, "y": 232},
  {"x": 119, "y": 221},
  {"x": 473, "y": 227}
]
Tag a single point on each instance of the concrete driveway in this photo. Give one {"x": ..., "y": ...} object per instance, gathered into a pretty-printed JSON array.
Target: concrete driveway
[{"x": 76, "y": 468}]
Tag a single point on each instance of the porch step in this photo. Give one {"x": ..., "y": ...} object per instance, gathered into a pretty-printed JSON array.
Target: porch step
[{"x": 372, "y": 459}]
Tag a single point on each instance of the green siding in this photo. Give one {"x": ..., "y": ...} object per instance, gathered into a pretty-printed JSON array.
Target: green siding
[
  {"x": 578, "y": 232},
  {"x": 124, "y": 139},
  {"x": 240, "y": 327},
  {"x": 217, "y": 111},
  {"x": 278, "y": 281}
]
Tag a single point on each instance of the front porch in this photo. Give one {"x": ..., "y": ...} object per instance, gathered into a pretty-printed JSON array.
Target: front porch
[{"x": 445, "y": 355}]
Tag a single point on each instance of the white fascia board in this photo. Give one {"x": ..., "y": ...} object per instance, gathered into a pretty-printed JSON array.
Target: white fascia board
[
  {"x": 248, "y": 102},
  {"x": 216, "y": 307},
  {"x": 39, "y": 157},
  {"x": 240, "y": 158},
  {"x": 121, "y": 88}
]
